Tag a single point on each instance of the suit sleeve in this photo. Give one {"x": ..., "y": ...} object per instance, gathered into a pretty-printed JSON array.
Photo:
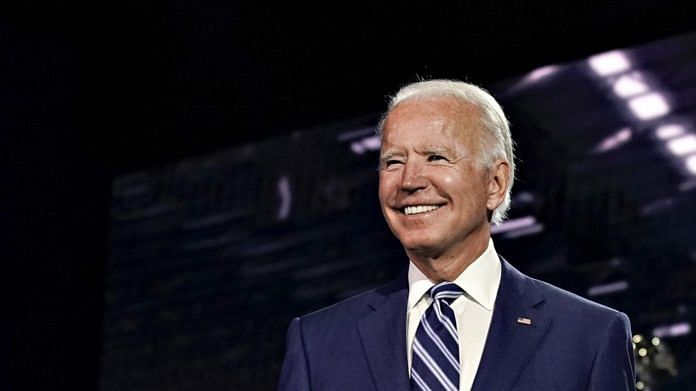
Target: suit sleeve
[
  {"x": 614, "y": 365},
  {"x": 294, "y": 374}
]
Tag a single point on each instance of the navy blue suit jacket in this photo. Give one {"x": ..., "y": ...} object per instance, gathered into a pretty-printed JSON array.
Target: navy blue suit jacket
[{"x": 571, "y": 344}]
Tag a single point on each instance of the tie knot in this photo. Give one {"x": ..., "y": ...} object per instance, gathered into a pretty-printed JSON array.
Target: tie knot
[{"x": 447, "y": 291}]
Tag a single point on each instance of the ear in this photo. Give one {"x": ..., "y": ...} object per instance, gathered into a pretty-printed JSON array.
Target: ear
[{"x": 498, "y": 180}]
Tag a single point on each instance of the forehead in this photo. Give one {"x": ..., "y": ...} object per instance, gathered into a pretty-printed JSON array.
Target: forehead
[{"x": 441, "y": 118}]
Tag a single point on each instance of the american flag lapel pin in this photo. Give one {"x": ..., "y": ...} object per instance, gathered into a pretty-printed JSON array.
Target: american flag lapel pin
[{"x": 526, "y": 321}]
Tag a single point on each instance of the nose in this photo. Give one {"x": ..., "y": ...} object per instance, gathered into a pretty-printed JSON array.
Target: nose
[{"x": 412, "y": 178}]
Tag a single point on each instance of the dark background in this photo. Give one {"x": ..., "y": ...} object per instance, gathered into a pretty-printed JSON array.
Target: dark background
[{"x": 93, "y": 91}]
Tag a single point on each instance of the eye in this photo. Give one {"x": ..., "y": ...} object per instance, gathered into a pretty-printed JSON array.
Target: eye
[
  {"x": 391, "y": 162},
  {"x": 435, "y": 158}
]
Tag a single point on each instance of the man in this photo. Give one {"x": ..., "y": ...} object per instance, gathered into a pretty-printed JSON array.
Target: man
[{"x": 462, "y": 318}]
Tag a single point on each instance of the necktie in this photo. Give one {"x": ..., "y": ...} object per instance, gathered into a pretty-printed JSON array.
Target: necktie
[{"x": 435, "y": 364}]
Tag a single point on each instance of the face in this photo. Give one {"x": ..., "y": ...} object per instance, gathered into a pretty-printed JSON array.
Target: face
[{"x": 435, "y": 195}]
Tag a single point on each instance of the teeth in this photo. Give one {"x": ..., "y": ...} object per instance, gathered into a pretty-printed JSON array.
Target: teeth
[{"x": 412, "y": 210}]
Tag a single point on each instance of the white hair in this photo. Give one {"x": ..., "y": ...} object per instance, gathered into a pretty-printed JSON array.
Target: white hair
[{"x": 497, "y": 142}]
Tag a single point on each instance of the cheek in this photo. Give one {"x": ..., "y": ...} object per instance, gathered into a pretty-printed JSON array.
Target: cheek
[
  {"x": 387, "y": 186},
  {"x": 451, "y": 184},
  {"x": 450, "y": 181}
]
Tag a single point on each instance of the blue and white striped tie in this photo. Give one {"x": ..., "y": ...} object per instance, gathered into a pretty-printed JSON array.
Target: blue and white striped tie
[{"x": 435, "y": 364}]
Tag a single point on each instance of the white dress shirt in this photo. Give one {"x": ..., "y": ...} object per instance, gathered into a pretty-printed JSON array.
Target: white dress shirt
[{"x": 474, "y": 309}]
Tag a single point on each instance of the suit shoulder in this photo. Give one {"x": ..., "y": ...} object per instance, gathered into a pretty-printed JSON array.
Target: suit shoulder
[
  {"x": 346, "y": 306},
  {"x": 352, "y": 308},
  {"x": 572, "y": 303}
]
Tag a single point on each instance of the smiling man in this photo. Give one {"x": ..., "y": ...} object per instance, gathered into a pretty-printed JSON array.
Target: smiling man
[{"x": 462, "y": 317}]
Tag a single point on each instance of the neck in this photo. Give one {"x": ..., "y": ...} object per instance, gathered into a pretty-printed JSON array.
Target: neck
[{"x": 447, "y": 266}]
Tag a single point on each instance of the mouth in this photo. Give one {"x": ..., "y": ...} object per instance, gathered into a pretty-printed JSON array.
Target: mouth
[{"x": 418, "y": 209}]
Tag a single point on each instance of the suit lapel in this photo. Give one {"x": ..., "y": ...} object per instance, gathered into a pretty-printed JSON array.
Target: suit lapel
[
  {"x": 510, "y": 344},
  {"x": 383, "y": 336}
]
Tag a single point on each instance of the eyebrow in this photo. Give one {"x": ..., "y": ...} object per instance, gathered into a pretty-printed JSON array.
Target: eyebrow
[
  {"x": 390, "y": 154},
  {"x": 436, "y": 150}
]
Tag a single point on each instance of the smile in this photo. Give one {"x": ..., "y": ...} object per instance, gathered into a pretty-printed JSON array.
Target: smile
[{"x": 416, "y": 209}]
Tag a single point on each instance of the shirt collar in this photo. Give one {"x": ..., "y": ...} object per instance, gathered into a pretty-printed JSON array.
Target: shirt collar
[{"x": 479, "y": 281}]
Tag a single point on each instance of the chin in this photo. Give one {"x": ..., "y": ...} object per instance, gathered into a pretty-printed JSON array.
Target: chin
[{"x": 419, "y": 245}]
